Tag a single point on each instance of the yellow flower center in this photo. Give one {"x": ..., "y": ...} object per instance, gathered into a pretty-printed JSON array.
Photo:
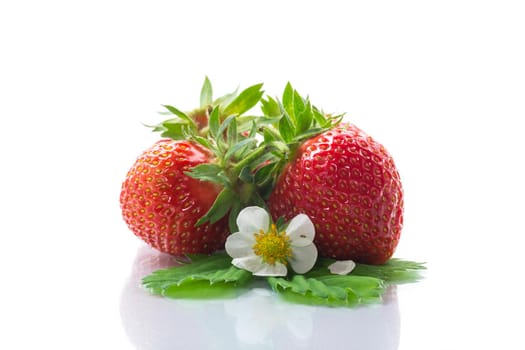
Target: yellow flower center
[{"x": 272, "y": 246}]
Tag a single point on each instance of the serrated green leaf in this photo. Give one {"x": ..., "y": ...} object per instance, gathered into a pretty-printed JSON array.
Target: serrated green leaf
[
  {"x": 206, "y": 98},
  {"x": 220, "y": 207},
  {"x": 208, "y": 172},
  {"x": 330, "y": 290},
  {"x": 214, "y": 122},
  {"x": 207, "y": 277},
  {"x": 245, "y": 101}
]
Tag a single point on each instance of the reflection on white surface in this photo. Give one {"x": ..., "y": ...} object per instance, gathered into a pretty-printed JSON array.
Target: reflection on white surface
[{"x": 256, "y": 319}]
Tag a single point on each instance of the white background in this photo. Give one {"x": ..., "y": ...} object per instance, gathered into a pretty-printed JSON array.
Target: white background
[{"x": 440, "y": 83}]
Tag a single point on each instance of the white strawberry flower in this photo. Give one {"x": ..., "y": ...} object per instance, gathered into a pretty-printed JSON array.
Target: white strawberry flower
[{"x": 262, "y": 249}]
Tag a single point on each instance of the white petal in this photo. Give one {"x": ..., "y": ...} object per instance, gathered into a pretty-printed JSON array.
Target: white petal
[
  {"x": 253, "y": 219},
  {"x": 240, "y": 244},
  {"x": 343, "y": 267},
  {"x": 303, "y": 258},
  {"x": 301, "y": 231},
  {"x": 251, "y": 263},
  {"x": 272, "y": 270}
]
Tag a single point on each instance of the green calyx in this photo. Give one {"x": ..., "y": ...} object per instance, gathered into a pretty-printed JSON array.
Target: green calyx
[{"x": 249, "y": 150}]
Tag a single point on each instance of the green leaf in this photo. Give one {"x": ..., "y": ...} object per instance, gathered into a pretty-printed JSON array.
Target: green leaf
[
  {"x": 220, "y": 207},
  {"x": 214, "y": 123},
  {"x": 206, "y": 93},
  {"x": 208, "y": 172},
  {"x": 245, "y": 101},
  {"x": 330, "y": 290},
  {"x": 181, "y": 115},
  {"x": 205, "y": 277}
]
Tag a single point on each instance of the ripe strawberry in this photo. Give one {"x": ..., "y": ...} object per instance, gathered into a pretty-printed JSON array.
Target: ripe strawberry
[
  {"x": 161, "y": 204},
  {"x": 349, "y": 186}
]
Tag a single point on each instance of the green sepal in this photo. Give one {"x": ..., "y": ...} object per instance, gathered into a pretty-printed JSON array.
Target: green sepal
[
  {"x": 209, "y": 172},
  {"x": 258, "y": 201},
  {"x": 265, "y": 173},
  {"x": 238, "y": 147},
  {"x": 226, "y": 99},
  {"x": 214, "y": 122},
  {"x": 246, "y": 175},
  {"x": 286, "y": 128},
  {"x": 206, "y": 97},
  {"x": 231, "y": 134},
  {"x": 308, "y": 134},
  {"x": 232, "y": 217},
  {"x": 288, "y": 103},
  {"x": 270, "y": 107},
  {"x": 280, "y": 222},
  {"x": 204, "y": 142},
  {"x": 174, "y": 128},
  {"x": 247, "y": 99},
  {"x": 181, "y": 115},
  {"x": 219, "y": 208},
  {"x": 203, "y": 277},
  {"x": 304, "y": 117}
]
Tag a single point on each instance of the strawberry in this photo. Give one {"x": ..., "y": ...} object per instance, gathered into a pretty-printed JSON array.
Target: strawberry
[
  {"x": 183, "y": 194},
  {"x": 161, "y": 204},
  {"x": 348, "y": 184}
]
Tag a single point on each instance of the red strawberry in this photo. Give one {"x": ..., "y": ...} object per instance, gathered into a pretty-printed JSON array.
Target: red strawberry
[
  {"x": 161, "y": 204},
  {"x": 349, "y": 186}
]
